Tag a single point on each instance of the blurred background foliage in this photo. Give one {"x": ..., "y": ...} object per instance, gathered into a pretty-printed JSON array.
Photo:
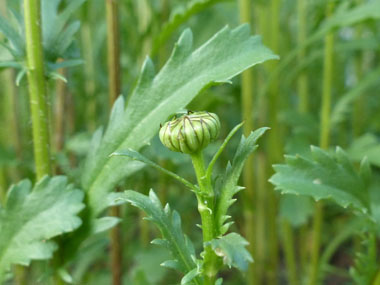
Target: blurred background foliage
[{"x": 295, "y": 30}]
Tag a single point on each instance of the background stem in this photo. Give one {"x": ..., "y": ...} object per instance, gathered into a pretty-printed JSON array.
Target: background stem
[
  {"x": 37, "y": 88},
  {"x": 274, "y": 145},
  {"x": 289, "y": 252},
  {"x": 113, "y": 50},
  {"x": 302, "y": 81},
  {"x": 113, "y": 55},
  {"x": 247, "y": 107},
  {"x": 324, "y": 143}
]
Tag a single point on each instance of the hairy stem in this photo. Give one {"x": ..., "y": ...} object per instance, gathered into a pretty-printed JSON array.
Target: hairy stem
[
  {"x": 324, "y": 143},
  {"x": 206, "y": 209},
  {"x": 37, "y": 88}
]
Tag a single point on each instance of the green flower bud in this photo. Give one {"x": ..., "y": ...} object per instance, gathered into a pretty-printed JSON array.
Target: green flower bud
[{"x": 190, "y": 133}]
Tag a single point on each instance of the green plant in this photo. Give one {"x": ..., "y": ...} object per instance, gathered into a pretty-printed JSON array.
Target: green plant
[
  {"x": 130, "y": 125},
  {"x": 71, "y": 234},
  {"x": 190, "y": 134}
]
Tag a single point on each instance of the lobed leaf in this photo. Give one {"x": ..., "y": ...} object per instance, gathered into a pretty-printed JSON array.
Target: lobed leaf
[
  {"x": 30, "y": 219},
  {"x": 229, "y": 185},
  {"x": 325, "y": 176},
  {"x": 156, "y": 96},
  {"x": 169, "y": 224}
]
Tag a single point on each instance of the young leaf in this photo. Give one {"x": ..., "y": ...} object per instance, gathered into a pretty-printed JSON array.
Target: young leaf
[
  {"x": 229, "y": 186},
  {"x": 169, "y": 223},
  {"x": 324, "y": 176},
  {"x": 156, "y": 96},
  {"x": 30, "y": 219},
  {"x": 232, "y": 248}
]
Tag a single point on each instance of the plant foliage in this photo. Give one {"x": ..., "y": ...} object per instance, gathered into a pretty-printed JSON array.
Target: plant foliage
[
  {"x": 58, "y": 36},
  {"x": 231, "y": 248},
  {"x": 169, "y": 223},
  {"x": 30, "y": 218},
  {"x": 326, "y": 176},
  {"x": 229, "y": 185},
  {"x": 156, "y": 96}
]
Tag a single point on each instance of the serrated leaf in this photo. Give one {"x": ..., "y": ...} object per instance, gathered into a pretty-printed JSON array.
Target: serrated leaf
[
  {"x": 185, "y": 74},
  {"x": 232, "y": 248},
  {"x": 324, "y": 176},
  {"x": 169, "y": 224},
  {"x": 30, "y": 219},
  {"x": 229, "y": 186}
]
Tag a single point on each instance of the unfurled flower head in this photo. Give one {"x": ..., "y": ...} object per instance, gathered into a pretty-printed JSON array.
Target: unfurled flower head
[{"x": 190, "y": 133}]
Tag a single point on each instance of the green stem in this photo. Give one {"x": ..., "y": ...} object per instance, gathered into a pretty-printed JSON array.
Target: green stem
[
  {"x": 247, "y": 106},
  {"x": 113, "y": 56},
  {"x": 206, "y": 209},
  {"x": 59, "y": 117},
  {"x": 37, "y": 88},
  {"x": 113, "y": 50},
  {"x": 275, "y": 146},
  {"x": 289, "y": 252},
  {"x": 359, "y": 105},
  {"x": 89, "y": 69},
  {"x": 324, "y": 143},
  {"x": 303, "y": 108},
  {"x": 302, "y": 82},
  {"x": 3, "y": 186}
]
